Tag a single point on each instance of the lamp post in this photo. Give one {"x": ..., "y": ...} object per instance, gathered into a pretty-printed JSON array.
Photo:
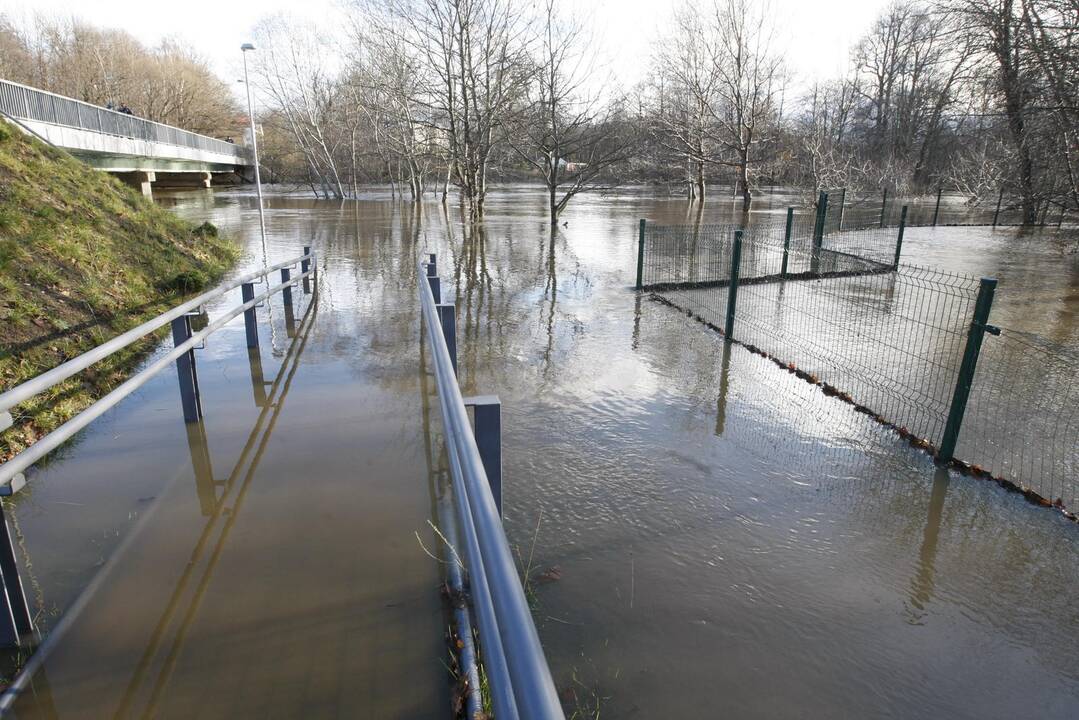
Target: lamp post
[{"x": 254, "y": 144}]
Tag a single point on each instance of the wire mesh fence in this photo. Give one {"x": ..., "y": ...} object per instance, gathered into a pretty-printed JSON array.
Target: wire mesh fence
[
  {"x": 849, "y": 210},
  {"x": 838, "y": 308}
]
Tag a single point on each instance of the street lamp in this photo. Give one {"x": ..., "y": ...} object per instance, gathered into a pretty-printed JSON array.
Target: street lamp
[{"x": 254, "y": 144}]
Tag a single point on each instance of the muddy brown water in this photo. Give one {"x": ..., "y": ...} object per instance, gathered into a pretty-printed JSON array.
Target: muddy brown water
[{"x": 728, "y": 541}]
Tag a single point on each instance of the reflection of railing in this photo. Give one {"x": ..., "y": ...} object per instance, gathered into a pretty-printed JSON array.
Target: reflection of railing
[
  {"x": 15, "y": 618},
  {"x": 26, "y": 103},
  {"x": 517, "y": 672}
]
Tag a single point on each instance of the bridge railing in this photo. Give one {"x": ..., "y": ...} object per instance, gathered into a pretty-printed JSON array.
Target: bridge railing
[
  {"x": 518, "y": 675},
  {"x": 27, "y": 103}
]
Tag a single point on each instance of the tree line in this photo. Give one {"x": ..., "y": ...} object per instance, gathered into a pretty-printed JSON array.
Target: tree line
[
  {"x": 434, "y": 96},
  {"x": 168, "y": 84}
]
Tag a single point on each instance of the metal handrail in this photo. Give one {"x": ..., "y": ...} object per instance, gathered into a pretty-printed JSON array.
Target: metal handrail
[
  {"x": 29, "y": 103},
  {"x": 519, "y": 676},
  {"x": 16, "y": 465}
]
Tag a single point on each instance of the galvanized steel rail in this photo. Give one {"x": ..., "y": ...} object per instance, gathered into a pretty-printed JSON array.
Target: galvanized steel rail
[
  {"x": 519, "y": 677},
  {"x": 27, "y": 103},
  {"x": 16, "y": 621}
]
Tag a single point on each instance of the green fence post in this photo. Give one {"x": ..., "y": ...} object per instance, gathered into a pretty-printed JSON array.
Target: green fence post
[
  {"x": 732, "y": 289},
  {"x": 899, "y": 239},
  {"x": 978, "y": 326},
  {"x": 787, "y": 241},
  {"x": 883, "y": 206},
  {"x": 1000, "y": 199},
  {"x": 936, "y": 210},
  {"x": 818, "y": 239},
  {"x": 842, "y": 204},
  {"x": 640, "y": 256}
]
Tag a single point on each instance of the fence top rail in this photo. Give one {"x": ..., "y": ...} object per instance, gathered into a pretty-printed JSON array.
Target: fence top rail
[
  {"x": 11, "y": 480},
  {"x": 238, "y": 150},
  {"x": 530, "y": 676},
  {"x": 44, "y": 381}
]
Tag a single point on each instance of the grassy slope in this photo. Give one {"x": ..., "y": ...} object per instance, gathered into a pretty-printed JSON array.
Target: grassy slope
[{"x": 82, "y": 258}]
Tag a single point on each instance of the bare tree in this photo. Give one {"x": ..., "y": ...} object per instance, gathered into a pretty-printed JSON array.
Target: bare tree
[{"x": 570, "y": 131}]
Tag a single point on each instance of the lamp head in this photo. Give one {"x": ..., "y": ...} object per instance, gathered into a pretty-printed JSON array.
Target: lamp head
[{"x": 247, "y": 46}]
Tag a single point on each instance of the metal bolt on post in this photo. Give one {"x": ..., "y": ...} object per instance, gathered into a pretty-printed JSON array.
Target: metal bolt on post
[
  {"x": 979, "y": 325},
  {"x": 732, "y": 289}
]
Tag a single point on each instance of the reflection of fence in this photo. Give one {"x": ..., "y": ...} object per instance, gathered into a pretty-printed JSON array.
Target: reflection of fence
[
  {"x": 28, "y": 103},
  {"x": 900, "y": 342}
]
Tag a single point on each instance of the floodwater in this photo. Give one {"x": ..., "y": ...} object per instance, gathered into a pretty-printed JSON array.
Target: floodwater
[{"x": 710, "y": 536}]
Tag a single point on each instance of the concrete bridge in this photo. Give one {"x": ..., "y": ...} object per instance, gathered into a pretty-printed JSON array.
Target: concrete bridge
[{"x": 135, "y": 149}]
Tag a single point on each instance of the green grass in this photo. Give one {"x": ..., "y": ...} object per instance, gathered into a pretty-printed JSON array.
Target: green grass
[{"x": 83, "y": 258}]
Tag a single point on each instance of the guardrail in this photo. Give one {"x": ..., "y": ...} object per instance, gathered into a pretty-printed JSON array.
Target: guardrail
[
  {"x": 518, "y": 675},
  {"x": 27, "y": 103},
  {"x": 16, "y": 621}
]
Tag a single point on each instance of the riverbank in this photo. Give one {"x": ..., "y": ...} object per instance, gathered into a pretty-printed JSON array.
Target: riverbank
[{"x": 82, "y": 259}]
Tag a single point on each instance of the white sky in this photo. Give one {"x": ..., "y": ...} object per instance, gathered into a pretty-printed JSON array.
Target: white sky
[{"x": 817, "y": 36}]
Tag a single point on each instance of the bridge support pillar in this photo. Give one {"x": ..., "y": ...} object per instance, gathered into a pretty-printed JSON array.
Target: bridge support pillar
[{"x": 141, "y": 180}]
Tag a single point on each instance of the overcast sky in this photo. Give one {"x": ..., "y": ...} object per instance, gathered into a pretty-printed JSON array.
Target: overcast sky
[{"x": 817, "y": 37}]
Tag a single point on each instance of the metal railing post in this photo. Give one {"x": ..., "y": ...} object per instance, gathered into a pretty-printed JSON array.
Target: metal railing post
[
  {"x": 1000, "y": 199},
  {"x": 432, "y": 265},
  {"x": 247, "y": 293},
  {"x": 185, "y": 370},
  {"x": 487, "y": 412},
  {"x": 640, "y": 255},
  {"x": 979, "y": 324},
  {"x": 883, "y": 206},
  {"x": 732, "y": 289},
  {"x": 15, "y": 618},
  {"x": 842, "y": 205},
  {"x": 787, "y": 241},
  {"x": 305, "y": 265},
  {"x": 818, "y": 233},
  {"x": 899, "y": 237},
  {"x": 936, "y": 210},
  {"x": 286, "y": 293},
  {"x": 447, "y": 317}
]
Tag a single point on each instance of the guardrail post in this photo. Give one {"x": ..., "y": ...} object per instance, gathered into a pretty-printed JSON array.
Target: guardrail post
[
  {"x": 185, "y": 370},
  {"x": 640, "y": 255},
  {"x": 286, "y": 292},
  {"x": 883, "y": 206},
  {"x": 487, "y": 413},
  {"x": 247, "y": 294},
  {"x": 447, "y": 316},
  {"x": 732, "y": 289},
  {"x": 899, "y": 237},
  {"x": 787, "y": 241},
  {"x": 15, "y": 618},
  {"x": 975, "y": 335},
  {"x": 936, "y": 210},
  {"x": 996, "y": 213},
  {"x": 305, "y": 265}
]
